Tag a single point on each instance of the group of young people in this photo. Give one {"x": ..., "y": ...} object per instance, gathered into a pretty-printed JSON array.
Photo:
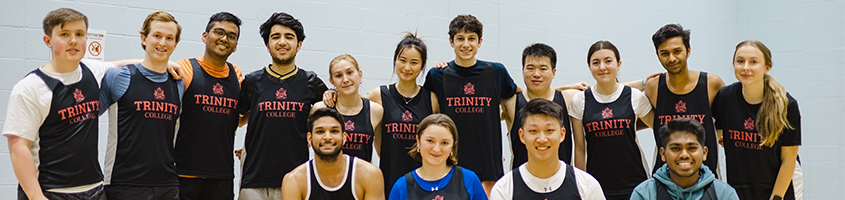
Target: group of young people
[{"x": 570, "y": 142}]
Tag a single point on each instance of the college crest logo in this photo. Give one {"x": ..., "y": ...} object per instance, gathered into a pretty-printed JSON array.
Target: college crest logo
[
  {"x": 607, "y": 113},
  {"x": 681, "y": 107},
  {"x": 217, "y": 89},
  {"x": 438, "y": 197},
  {"x": 281, "y": 94},
  {"x": 749, "y": 124},
  {"x": 159, "y": 94},
  {"x": 469, "y": 89},
  {"x": 349, "y": 126},
  {"x": 78, "y": 96},
  {"x": 407, "y": 117}
]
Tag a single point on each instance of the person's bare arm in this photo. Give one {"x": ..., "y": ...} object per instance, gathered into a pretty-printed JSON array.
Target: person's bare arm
[
  {"x": 371, "y": 181},
  {"x": 374, "y": 95},
  {"x": 648, "y": 119},
  {"x": 639, "y": 84},
  {"x": 580, "y": 86},
  {"x": 580, "y": 143},
  {"x": 719, "y": 137},
  {"x": 24, "y": 166},
  {"x": 291, "y": 190},
  {"x": 435, "y": 104},
  {"x": 715, "y": 84},
  {"x": 508, "y": 111},
  {"x": 787, "y": 167},
  {"x": 243, "y": 120},
  {"x": 376, "y": 114},
  {"x": 329, "y": 96}
]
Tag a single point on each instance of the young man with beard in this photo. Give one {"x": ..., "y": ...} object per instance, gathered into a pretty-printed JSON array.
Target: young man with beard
[
  {"x": 144, "y": 104},
  {"x": 545, "y": 176},
  {"x": 680, "y": 92},
  {"x": 683, "y": 176},
  {"x": 276, "y": 101},
  {"x": 331, "y": 175},
  {"x": 208, "y": 120}
]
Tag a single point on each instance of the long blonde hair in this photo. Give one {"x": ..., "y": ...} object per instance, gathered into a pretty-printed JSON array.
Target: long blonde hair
[{"x": 771, "y": 118}]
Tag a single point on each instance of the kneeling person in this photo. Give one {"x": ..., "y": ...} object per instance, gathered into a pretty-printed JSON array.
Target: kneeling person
[
  {"x": 683, "y": 176},
  {"x": 331, "y": 174},
  {"x": 545, "y": 176}
]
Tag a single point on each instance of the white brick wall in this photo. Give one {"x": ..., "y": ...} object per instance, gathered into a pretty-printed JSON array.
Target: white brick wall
[{"x": 805, "y": 36}]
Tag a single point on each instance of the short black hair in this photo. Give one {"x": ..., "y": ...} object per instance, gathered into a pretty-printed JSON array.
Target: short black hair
[
  {"x": 540, "y": 50},
  {"x": 540, "y": 106},
  {"x": 323, "y": 112},
  {"x": 223, "y": 17},
  {"x": 679, "y": 125},
  {"x": 466, "y": 23},
  {"x": 668, "y": 32},
  {"x": 284, "y": 19}
]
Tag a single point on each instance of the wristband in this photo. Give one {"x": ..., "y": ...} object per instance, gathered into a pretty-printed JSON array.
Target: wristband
[{"x": 643, "y": 83}]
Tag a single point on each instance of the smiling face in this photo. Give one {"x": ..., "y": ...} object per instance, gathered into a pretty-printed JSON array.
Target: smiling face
[
  {"x": 435, "y": 143},
  {"x": 345, "y": 77},
  {"x": 67, "y": 43},
  {"x": 160, "y": 42},
  {"x": 542, "y": 136},
  {"x": 683, "y": 154},
  {"x": 326, "y": 138},
  {"x": 222, "y": 40},
  {"x": 538, "y": 73},
  {"x": 465, "y": 44},
  {"x": 604, "y": 66},
  {"x": 673, "y": 55},
  {"x": 749, "y": 65},
  {"x": 408, "y": 64},
  {"x": 282, "y": 44}
]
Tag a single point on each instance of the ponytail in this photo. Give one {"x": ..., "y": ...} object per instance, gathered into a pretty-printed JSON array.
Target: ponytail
[{"x": 771, "y": 118}]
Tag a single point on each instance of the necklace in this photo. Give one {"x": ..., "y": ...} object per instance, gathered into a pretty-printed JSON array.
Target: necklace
[{"x": 406, "y": 99}]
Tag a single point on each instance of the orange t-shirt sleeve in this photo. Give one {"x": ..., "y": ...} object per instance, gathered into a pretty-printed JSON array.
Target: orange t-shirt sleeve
[{"x": 187, "y": 72}]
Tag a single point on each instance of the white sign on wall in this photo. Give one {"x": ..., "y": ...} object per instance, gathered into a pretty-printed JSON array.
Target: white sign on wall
[{"x": 96, "y": 45}]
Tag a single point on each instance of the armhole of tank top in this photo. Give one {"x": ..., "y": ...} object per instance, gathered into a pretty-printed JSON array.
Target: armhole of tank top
[
  {"x": 351, "y": 176},
  {"x": 308, "y": 179}
]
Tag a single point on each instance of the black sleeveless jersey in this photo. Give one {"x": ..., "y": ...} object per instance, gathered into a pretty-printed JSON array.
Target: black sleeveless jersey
[
  {"x": 520, "y": 154},
  {"x": 318, "y": 191},
  {"x": 473, "y": 103},
  {"x": 613, "y": 156},
  {"x": 567, "y": 190},
  {"x": 695, "y": 105},
  {"x": 146, "y": 117},
  {"x": 207, "y": 125},
  {"x": 752, "y": 168},
  {"x": 359, "y": 133},
  {"x": 68, "y": 135},
  {"x": 399, "y": 131},
  {"x": 275, "y": 141},
  {"x": 455, "y": 189}
]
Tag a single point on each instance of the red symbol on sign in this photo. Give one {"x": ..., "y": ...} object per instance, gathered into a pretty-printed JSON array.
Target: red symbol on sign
[
  {"x": 95, "y": 48},
  {"x": 749, "y": 124},
  {"x": 159, "y": 94},
  {"x": 469, "y": 89},
  {"x": 217, "y": 89},
  {"x": 607, "y": 113},
  {"x": 77, "y": 95},
  {"x": 680, "y": 107},
  {"x": 349, "y": 126}
]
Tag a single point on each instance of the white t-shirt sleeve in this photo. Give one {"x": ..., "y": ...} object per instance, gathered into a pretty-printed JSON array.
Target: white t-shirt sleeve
[
  {"x": 29, "y": 105},
  {"x": 98, "y": 68},
  {"x": 640, "y": 103},
  {"x": 576, "y": 107},
  {"x": 588, "y": 187},
  {"x": 503, "y": 190}
]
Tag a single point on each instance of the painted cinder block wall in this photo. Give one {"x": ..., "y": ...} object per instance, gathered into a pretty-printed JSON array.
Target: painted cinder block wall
[{"x": 807, "y": 38}]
